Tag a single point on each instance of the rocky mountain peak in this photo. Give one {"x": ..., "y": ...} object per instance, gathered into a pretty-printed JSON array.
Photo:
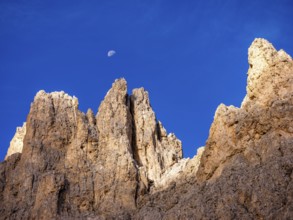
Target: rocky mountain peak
[
  {"x": 269, "y": 73},
  {"x": 155, "y": 151},
  {"x": 122, "y": 163},
  {"x": 262, "y": 54},
  {"x": 55, "y": 96},
  {"x": 117, "y": 92},
  {"x": 109, "y": 160}
]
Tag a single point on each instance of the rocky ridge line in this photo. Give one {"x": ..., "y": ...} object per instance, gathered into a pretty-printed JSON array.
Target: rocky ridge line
[
  {"x": 121, "y": 164},
  {"x": 88, "y": 164}
]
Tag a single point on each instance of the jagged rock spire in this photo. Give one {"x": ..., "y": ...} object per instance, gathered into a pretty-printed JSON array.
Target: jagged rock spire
[
  {"x": 154, "y": 150},
  {"x": 268, "y": 74}
]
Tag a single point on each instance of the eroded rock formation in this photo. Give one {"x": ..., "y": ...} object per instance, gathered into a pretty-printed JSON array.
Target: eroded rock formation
[
  {"x": 16, "y": 144},
  {"x": 246, "y": 168},
  {"x": 75, "y": 164},
  {"x": 122, "y": 164}
]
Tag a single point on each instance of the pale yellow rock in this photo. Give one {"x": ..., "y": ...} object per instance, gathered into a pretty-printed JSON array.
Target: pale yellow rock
[
  {"x": 269, "y": 74},
  {"x": 16, "y": 144},
  {"x": 180, "y": 171},
  {"x": 154, "y": 150}
]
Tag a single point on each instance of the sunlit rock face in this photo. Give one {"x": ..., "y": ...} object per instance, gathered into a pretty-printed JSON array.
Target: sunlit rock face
[
  {"x": 16, "y": 144},
  {"x": 154, "y": 150},
  {"x": 120, "y": 163},
  {"x": 269, "y": 74}
]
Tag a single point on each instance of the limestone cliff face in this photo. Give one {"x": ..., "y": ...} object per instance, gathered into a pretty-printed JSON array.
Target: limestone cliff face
[
  {"x": 76, "y": 165},
  {"x": 122, "y": 164}
]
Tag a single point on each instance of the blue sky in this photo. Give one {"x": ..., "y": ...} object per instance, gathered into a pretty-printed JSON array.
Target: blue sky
[{"x": 190, "y": 55}]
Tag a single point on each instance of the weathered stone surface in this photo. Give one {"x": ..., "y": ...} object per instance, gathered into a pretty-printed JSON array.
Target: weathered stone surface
[
  {"x": 246, "y": 168},
  {"x": 116, "y": 173},
  {"x": 154, "y": 150},
  {"x": 122, "y": 164},
  {"x": 180, "y": 172},
  {"x": 16, "y": 144},
  {"x": 269, "y": 74},
  {"x": 80, "y": 165},
  {"x": 263, "y": 119},
  {"x": 38, "y": 173}
]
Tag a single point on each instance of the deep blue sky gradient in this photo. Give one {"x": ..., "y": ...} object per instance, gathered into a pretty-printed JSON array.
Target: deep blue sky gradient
[{"x": 190, "y": 55}]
